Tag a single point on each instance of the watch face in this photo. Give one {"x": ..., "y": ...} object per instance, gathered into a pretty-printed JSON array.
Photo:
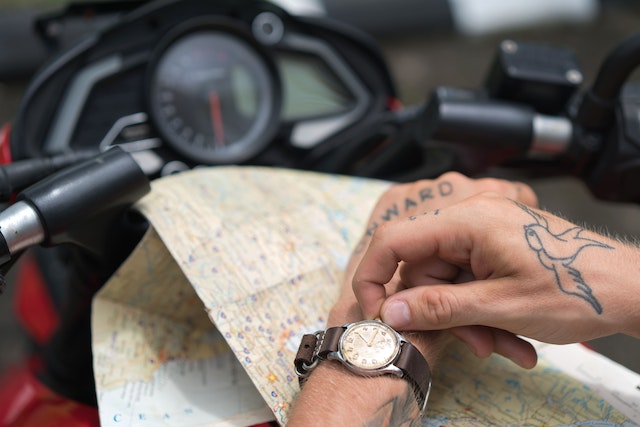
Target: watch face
[{"x": 369, "y": 344}]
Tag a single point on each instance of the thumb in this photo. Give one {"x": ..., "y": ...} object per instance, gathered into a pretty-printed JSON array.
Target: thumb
[{"x": 443, "y": 306}]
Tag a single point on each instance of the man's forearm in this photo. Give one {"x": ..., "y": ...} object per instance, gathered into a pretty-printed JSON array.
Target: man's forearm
[{"x": 334, "y": 396}]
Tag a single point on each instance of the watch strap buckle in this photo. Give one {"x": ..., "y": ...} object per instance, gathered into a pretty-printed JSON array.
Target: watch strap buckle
[{"x": 307, "y": 357}]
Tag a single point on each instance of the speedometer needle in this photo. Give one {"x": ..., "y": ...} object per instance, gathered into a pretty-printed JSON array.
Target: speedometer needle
[{"x": 216, "y": 118}]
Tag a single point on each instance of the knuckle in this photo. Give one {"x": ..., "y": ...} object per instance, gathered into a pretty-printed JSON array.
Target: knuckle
[
  {"x": 453, "y": 176},
  {"x": 382, "y": 233},
  {"x": 499, "y": 186},
  {"x": 437, "y": 307},
  {"x": 483, "y": 201},
  {"x": 392, "y": 192},
  {"x": 507, "y": 189},
  {"x": 526, "y": 194},
  {"x": 395, "y": 189}
]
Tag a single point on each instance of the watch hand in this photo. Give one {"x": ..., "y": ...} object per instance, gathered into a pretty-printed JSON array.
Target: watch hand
[
  {"x": 362, "y": 338},
  {"x": 373, "y": 337}
]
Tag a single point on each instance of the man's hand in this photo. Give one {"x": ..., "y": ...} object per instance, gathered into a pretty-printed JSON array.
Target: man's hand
[
  {"x": 411, "y": 200},
  {"x": 493, "y": 261},
  {"x": 355, "y": 400}
]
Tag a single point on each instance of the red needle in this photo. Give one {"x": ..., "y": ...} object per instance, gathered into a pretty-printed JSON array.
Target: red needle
[{"x": 216, "y": 118}]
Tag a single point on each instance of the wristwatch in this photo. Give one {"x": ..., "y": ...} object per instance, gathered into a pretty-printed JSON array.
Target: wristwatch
[{"x": 367, "y": 348}]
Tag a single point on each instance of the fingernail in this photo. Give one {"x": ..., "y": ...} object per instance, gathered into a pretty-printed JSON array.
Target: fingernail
[{"x": 396, "y": 314}]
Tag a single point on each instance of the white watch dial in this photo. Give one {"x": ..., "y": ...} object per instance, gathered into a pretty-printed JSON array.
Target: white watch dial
[{"x": 369, "y": 344}]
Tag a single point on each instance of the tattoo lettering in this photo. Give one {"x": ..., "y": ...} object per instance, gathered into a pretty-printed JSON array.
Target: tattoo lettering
[
  {"x": 395, "y": 211},
  {"x": 557, "y": 252},
  {"x": 409, "y": 204},
  {"x": 392, "y": 212},
  {"x": 434, "y": 213},
  {"x": 442, "y": 189},
  {"x": 399, "y": 411}
]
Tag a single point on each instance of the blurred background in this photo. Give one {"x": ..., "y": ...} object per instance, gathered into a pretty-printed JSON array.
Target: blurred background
[{"x": 426, "y": 44}]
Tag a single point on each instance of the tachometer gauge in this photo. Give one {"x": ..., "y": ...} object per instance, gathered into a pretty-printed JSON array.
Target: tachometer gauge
[{"x": 214, "y": 95}]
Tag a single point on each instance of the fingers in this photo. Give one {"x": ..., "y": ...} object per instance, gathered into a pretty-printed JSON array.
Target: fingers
[
  {"x": 442, "y": 307},
  {"x": 484, "y": 341},
  {"x": 370, "y": 291},
  {"x": 431, "y": 272},
  {"x": 402, "y": 200},
  {"x": 403, "y": 241},
  {"x": 517, "y": 191},
  {"x": 502, "y": 303},
  {"x": 463, "y": 187},
  {"x": 418, "y": 199},
  {"x": 525, "y": 195}
]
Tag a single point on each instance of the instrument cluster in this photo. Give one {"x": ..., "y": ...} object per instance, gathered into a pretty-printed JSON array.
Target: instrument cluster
[{"x": 186, "y": 83}]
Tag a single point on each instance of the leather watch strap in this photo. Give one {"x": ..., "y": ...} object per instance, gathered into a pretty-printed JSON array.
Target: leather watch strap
[
  {"x": 306, "y": 352},
  {"x": 311, "y": 351},
  {"x": 330, "y": 341},
  {"x": 416, "y": 369}
]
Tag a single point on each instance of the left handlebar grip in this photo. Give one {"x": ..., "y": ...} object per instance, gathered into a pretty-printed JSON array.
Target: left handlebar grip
[{"x": 72, "y": 196}]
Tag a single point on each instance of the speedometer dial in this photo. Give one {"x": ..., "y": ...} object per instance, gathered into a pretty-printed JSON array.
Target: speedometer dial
[{"x": 214, "y": 96}]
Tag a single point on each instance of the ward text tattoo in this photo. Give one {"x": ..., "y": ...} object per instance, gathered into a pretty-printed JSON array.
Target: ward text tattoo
[{"x": 408, "y": 206}]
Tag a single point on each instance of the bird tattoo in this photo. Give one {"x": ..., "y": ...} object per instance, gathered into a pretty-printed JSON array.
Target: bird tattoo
[{"x": 557, "y": 252}]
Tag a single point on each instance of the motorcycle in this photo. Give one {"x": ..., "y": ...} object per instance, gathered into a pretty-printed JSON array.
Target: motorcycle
[{"x": 169, "y": 85}]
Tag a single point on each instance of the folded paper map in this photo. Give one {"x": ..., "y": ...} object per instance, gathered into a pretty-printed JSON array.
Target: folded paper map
[{"x": 199, "y": 327}]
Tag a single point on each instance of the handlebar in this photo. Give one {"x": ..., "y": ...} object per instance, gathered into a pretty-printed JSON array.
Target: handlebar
[
  {"x": 71, "y": 206},
  {"x": 458, "y": 116},
  {"x": 597, "y": 109},
  {"x": 531, "y": 115}
]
